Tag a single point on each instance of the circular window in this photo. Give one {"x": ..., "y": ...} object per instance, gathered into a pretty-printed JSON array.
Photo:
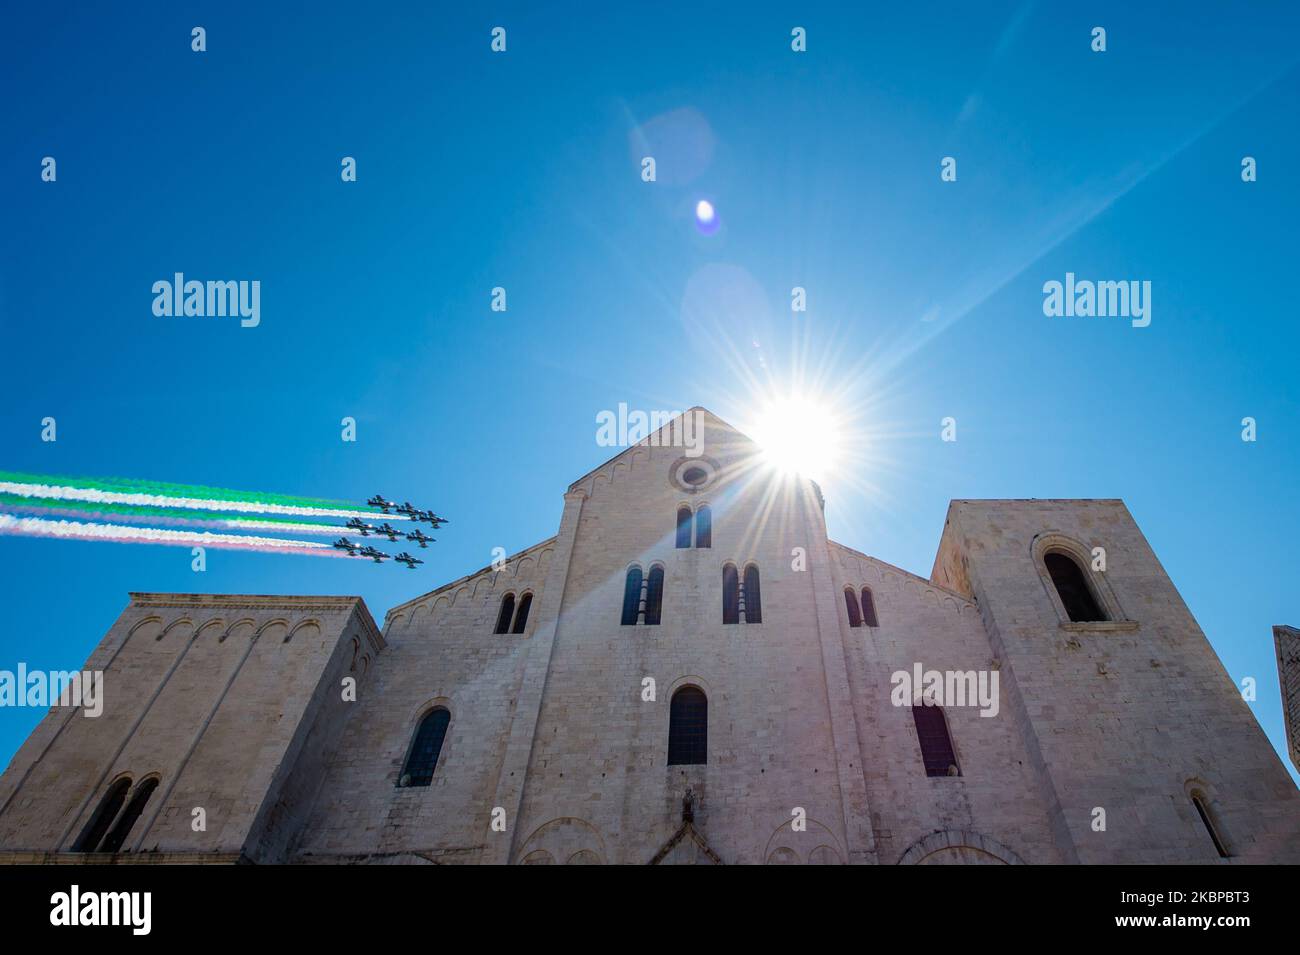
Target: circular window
[{"x": 693, "y": 475}]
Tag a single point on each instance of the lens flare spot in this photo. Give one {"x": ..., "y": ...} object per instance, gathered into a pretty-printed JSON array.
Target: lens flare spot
[{"x": 706, "y": 217}]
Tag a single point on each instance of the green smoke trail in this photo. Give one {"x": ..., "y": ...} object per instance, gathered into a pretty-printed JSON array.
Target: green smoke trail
[
  {"x": 162, "y": 489},
  {"x": 88, "y": 508},
  {"x": 181, "y": 496}
]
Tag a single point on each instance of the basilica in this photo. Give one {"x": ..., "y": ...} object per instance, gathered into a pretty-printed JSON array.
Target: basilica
[{"x": 689, "y": 671}]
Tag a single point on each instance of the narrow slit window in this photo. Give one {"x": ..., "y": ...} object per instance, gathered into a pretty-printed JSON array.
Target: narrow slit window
[
  {"x": 730, "y": 594},
  {"x": 654, "y": 596},
  {"x": 426, "y": 748},
  {"x": 504, "y": 615},
  {"x": 851, "y": 602},
  {"x": 1206, "y": 820},
  {"x": 521, "y": 614},
  {"x": 869, "y": 609},
  {"x": 117, "y": 838},
  {"x": 753, "y": 598},
  {"x": 683, "y": 527},
  {"x": 936, "y": 744},
  {"x": 704, "y": 527},
  {"x": 108, "y": 809},
  {"x": 632, "y": 596}
]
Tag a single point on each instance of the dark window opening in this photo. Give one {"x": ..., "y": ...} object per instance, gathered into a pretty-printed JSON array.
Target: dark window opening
[
  {"x": 507, "y": 611},
  {"x": 654, "y": 596},
  {"x": 683, "y": 527},
  {"x": 108, "y": 809},
  {"x": 521, "y": 615},
  {"x": 869, "y": 609},
  {"x": 117, "y": 838},
  {"x": 695, "y": 476},
  {"x": 704, "y": 527},
  {"x": 632, "y": 596},
  {"x": 1206, "y": 821},
  {"x": 1072, "y": 587},
  {"x": 688, "y": 728},
  {"x": 936, "y": 745},
  {"x": 753, "y": 600},
  {"x": 850, "y": 601},
  {"x": 423, "y": 759},
  {"x": 730, "y": 594}
]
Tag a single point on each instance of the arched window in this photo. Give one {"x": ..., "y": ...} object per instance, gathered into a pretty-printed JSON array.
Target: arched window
[
  {"x": 654, "y": 596},
  {"x": 730, "y": 594},
  {"x": 507, "y": 611},
  {"x": 752, "y": 598},
  {"x": 632, "y": 596},
  {"x": 704, "y": 526},
  {"x": 108, "y": 809},
  {"x": 869, "y": 609},
  {"x": 521, "y": 615},
  {"x": 851, "y": 601},
  {"x": 683, "y": 527},
  {"x": 936, "y": 744},
  {"x": 423, "y": 758},
  {"x": 117, "y": 838},
  {"x": 1203, "y": 810},
  {"x": 688, "y": 728},
  {"x": 1072, "y": 587}
]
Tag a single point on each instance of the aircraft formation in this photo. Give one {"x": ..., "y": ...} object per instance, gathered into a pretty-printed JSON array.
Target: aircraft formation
[{"x": 406, "y": 510}]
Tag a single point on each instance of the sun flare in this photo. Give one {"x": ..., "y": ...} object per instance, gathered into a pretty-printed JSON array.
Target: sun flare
[{"x": 800, "y": 435}]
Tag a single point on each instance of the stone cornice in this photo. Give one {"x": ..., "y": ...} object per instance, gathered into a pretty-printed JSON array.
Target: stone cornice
[
  {"x": 244, "y": 601},
  {"x": 296, "y": 602}
]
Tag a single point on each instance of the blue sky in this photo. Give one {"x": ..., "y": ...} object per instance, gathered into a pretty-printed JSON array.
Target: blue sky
[{"x": 522, "y": 169}]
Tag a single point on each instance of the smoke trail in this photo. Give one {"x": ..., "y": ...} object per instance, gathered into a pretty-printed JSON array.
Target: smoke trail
[
  {"x": 98, "y": 496},
  {"x": 164, "y": 489},
  {"x": 19, "y": 503},
  {"x": 79, "y": 530},
  {"x": 164, "y": 518}
]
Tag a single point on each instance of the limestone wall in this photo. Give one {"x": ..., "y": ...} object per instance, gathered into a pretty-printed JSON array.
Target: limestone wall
[
  {"x": 441, "y": 651},
  {"x": 214, "y": 696},
  {"x": 1131, "y": 716}
]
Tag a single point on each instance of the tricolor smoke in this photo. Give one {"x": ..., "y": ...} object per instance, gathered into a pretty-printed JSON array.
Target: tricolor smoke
[
  {"x": 110, "y": 509},
  {"x": 117, "y": 491},
  {"x": 162, "y": 518},
  {"x": 79, "y": 530},
  {"x": 136, "y": 486}
]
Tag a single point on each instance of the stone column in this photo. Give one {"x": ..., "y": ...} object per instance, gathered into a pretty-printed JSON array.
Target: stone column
[
  {"x": 859, "y": 840},
  {"x": 500, "y": 846}
]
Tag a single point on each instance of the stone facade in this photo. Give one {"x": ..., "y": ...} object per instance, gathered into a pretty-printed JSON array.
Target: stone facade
[
  {"x": 228, "y": 702},
  {"x": 1287, "y": 640},
  {"x": 554, "y": 753}
]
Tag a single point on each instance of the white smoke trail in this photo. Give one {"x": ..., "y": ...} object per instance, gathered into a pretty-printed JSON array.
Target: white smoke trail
[
  {"x": 330, "y": 530},
  {"x": 79, "y": 530},
  {"x": 165, "y": 520},
  {"x": 96, "y": 496}
]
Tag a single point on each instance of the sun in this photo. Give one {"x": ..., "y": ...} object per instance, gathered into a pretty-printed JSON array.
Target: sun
[{"x": 800, "y": 435}]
